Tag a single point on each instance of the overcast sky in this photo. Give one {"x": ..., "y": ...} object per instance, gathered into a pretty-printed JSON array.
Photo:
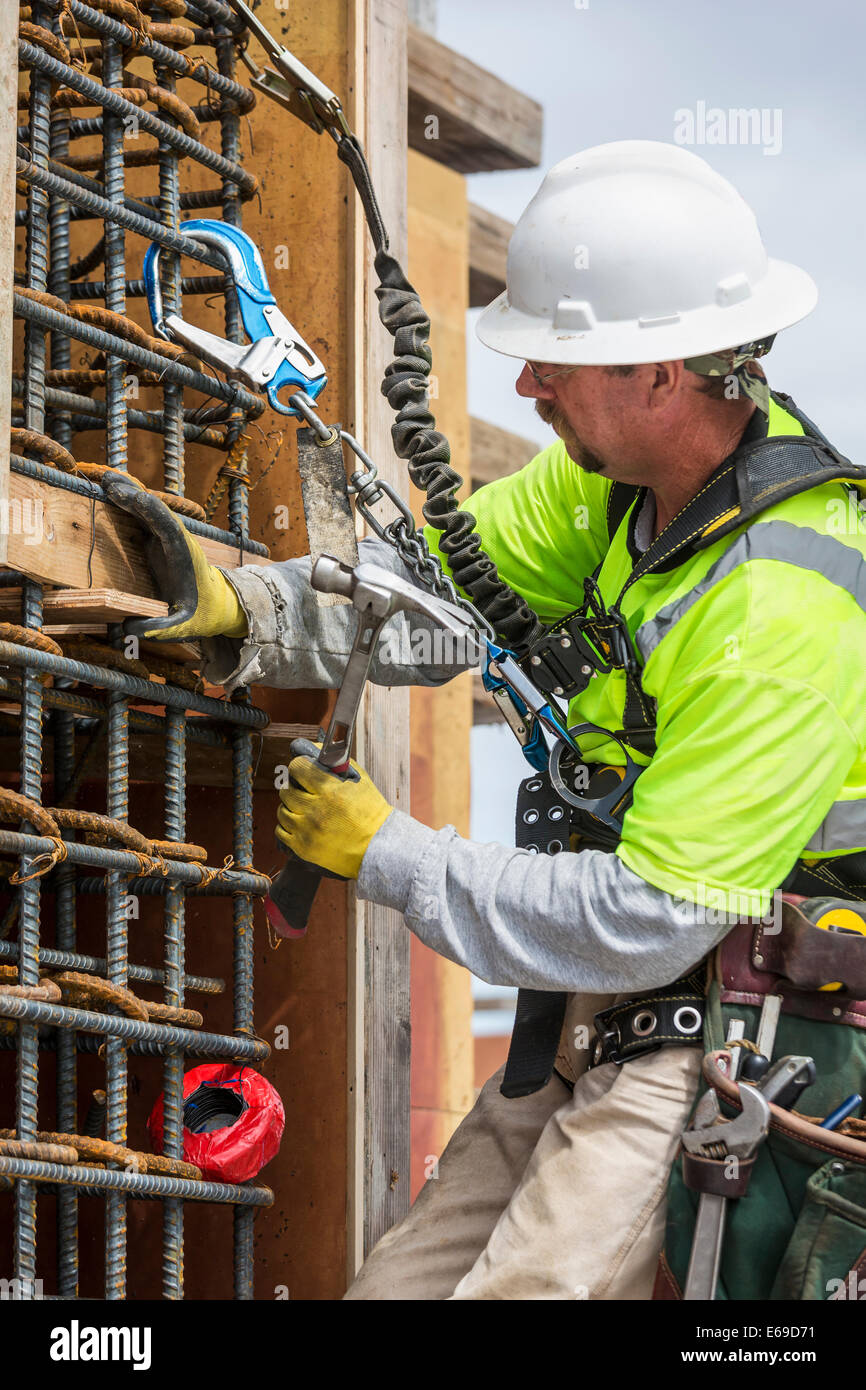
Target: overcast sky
[{"x": 621, "y": 69}]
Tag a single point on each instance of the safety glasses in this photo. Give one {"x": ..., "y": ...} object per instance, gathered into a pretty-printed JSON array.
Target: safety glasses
[{"x": 548, "y": 376}]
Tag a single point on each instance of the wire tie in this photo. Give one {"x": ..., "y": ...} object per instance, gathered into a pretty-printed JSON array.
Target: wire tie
[{"x": 48, "y": 859}]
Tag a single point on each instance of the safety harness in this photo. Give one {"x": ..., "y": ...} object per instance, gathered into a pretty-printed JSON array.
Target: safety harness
[{"x": 760, "y": 473}]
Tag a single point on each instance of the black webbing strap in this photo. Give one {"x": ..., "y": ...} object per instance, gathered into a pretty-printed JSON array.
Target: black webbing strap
[
  {"x": 667, "y": 1017},
  {"x": 540, "y": 825},
  {"x": 534, "y": 1041},
  {"x": 350, "y": 152},
  {"x": 619, "y": 499},
  {"x": 638, "y": 716},
  {"x": 754, "y": 478}
]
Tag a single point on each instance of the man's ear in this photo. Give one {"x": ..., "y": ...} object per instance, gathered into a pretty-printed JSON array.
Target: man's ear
[{"x": 665, "y": 383}]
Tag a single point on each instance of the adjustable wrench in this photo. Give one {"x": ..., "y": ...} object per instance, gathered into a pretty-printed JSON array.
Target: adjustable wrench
[{"x": 715, "y": 1137}]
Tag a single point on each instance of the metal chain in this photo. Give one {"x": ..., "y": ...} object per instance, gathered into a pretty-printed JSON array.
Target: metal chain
[
  {"x": 402, "y": 533},
  {"x": 411, "y": 545}
]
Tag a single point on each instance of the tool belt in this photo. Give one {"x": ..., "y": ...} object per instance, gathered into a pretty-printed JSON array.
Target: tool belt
[
  {"x": 799, "y": 1230},
  {"x": 545, "y": 824}
]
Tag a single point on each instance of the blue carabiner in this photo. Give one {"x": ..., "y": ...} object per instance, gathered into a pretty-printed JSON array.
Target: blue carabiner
[
  {"x": 278, "y": 357},
  {"x": 535, "y": 749}
]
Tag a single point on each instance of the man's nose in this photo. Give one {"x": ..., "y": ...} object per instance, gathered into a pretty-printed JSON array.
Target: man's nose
[{"x": 526, "y": 385}]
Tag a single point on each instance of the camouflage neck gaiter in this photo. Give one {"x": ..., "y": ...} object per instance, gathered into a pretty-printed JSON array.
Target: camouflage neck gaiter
[{"x": 741, "y": 363}]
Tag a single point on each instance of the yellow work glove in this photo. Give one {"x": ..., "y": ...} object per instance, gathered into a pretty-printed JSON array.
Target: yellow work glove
[
  {"x": 202, "y": 602},
  {"x": 218, "y": 611},
  {"x": 328, "y": 821}
]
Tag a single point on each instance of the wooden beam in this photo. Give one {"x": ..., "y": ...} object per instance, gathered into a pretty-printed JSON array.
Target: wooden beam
[
  {"x": 206, "y": 766},
  {"x": 495, "y": 452},
  {"x": 379, "y": 1026},
  {"x": 489, "y": 236},
  {"x": 441, "y": 717},
  {"x": 464, "y": 116},
  {"x": 54, "y": 546},
  {"x": 71, "y": 607}
]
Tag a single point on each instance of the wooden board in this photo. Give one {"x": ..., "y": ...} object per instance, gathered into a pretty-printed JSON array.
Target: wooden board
[
  {"x": 80, "y": 608},
  {"x": 441, "y": 718},
  {"x": 206, "y": 766},
  {"x": 71, "y": 525},
  {"x": 497, "y": 452},
  {"x": 379, "y": 1026},
  {"x": 463, "y": 116},
  {"x": 489, "y": 236}
]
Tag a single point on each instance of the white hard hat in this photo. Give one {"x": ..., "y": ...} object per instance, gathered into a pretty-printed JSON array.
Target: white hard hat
[{"x": 637, "y": 251}]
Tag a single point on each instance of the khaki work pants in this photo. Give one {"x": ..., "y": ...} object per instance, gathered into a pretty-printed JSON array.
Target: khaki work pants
[{"x": 551, "y": 1196}]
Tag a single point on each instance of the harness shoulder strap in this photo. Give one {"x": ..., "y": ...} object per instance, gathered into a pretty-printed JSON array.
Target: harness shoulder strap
[
  {"x": 619, "y": 499},
  {"x": 756, "y": 477}
]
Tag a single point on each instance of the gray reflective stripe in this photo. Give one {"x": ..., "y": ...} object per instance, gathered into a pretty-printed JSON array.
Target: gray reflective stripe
[
  {"x": 843, "y": 828},
  {"x": 766, "y": 540}
]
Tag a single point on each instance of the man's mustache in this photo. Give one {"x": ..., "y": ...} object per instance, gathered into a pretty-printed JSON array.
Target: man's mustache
[{"x": 574, "y": 445}]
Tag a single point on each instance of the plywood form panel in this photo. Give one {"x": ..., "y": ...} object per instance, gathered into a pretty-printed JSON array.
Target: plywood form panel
[{"x": 379, "y": 961}]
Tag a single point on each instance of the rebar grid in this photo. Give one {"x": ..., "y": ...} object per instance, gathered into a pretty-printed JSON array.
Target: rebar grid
[{"x": 65, "y": 185}]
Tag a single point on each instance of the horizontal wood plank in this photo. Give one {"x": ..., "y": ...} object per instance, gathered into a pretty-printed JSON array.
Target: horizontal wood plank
[
  {"x": 206, "y": 766},
  {"x": 84, "y": 544},
  {"x": 465, "y": 117},
  {"x": 78, "y": 607},
  {"x": 489, "y": 236},
  {"x": 495, "y": 452}
]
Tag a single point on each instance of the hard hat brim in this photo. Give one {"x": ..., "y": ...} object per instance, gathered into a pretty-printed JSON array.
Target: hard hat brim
[{"x": 783, "y": 296}]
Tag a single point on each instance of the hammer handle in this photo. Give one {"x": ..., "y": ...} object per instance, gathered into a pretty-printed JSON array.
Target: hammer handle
[{"x": 293, "y": 891}]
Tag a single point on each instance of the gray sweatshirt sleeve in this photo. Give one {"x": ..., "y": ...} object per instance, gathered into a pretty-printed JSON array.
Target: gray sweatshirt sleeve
[
  {"x": 294, "y": 642},
  {"x": 578, "y": 922}
]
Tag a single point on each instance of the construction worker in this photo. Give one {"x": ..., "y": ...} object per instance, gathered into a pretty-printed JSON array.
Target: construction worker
[{"x": 640, "y": 298}]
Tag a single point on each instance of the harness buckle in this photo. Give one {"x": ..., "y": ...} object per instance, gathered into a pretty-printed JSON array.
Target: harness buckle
[{"x": 594, "y": 640}]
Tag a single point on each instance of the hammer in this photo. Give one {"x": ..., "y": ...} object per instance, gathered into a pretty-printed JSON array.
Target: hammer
[{"x": 377, "y": 595}]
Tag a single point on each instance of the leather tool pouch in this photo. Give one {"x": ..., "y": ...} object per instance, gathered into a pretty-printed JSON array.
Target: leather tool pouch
[{"x": 799, "y": 1230}]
